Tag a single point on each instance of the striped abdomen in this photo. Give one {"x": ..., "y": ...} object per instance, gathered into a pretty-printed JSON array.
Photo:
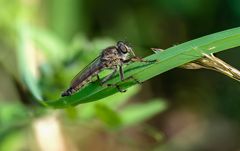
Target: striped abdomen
[{"x": 83, "y": 79}]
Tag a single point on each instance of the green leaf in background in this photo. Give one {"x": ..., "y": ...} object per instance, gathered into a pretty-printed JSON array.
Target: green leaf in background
[
  {"x": 10, "y": 112},
  {"x": 14, "y": 141},
  {"x": 87, "y": 111},
  {"x": 137, "y": 113},
  {"x": 54, "y": 49},
  {"x": 107, "y": 115},
  {"x": 27, "y": 61},
  {"x": 168, "y": 59}
]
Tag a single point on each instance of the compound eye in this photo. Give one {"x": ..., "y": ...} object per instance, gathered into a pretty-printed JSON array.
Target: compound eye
[{"x": 122, "y": 47}]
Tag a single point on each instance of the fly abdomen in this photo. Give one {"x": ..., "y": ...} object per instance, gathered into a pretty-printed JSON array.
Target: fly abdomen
[
  {"x": 68, "y": 92},
  {"x": 81, "y": 83}
]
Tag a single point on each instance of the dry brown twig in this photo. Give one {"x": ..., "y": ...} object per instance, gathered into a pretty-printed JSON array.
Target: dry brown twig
[
  {"x": 210, "y": 62},
  {"x": 213, "y": 63}
]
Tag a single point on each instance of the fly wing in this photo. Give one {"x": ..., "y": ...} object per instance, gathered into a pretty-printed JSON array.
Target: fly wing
[{"x": 83, "y": 71}]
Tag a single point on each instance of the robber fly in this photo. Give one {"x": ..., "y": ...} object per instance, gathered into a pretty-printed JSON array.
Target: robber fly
[{"x": 113, "y": 57}]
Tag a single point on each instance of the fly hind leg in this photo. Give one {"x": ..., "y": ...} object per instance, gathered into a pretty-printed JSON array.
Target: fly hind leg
[
  {"x": 134, "y": 79},
  {"x": 116, "y": 86},
  {"x": 102, "y": 82}
]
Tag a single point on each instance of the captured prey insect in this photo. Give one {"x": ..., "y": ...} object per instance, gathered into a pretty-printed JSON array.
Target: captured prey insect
[{"x": 113, "y": 57}]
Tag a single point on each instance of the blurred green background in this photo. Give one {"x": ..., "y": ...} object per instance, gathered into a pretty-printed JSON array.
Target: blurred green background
[{"x": 44, "y": 43}]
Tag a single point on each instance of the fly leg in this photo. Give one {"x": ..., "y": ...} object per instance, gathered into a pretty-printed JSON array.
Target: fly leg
[
  {"x": 109, "y": 76},
  {"x": 131, "y": 77},
  {"x": 133, "y": 59},
  {"x": 102, "y": 82},
  {"x": 136, "y": 80},
  {"x": 121, "y": 73},
  {"x": 98, "y": 78},
  {"x": 116, "y": 86}
]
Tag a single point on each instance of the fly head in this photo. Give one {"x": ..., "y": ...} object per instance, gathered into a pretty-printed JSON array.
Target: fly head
[{"x": 124, "y": 49}]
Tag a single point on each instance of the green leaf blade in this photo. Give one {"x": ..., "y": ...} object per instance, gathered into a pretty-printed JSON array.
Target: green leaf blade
[{"x": 168, "y": 59}]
